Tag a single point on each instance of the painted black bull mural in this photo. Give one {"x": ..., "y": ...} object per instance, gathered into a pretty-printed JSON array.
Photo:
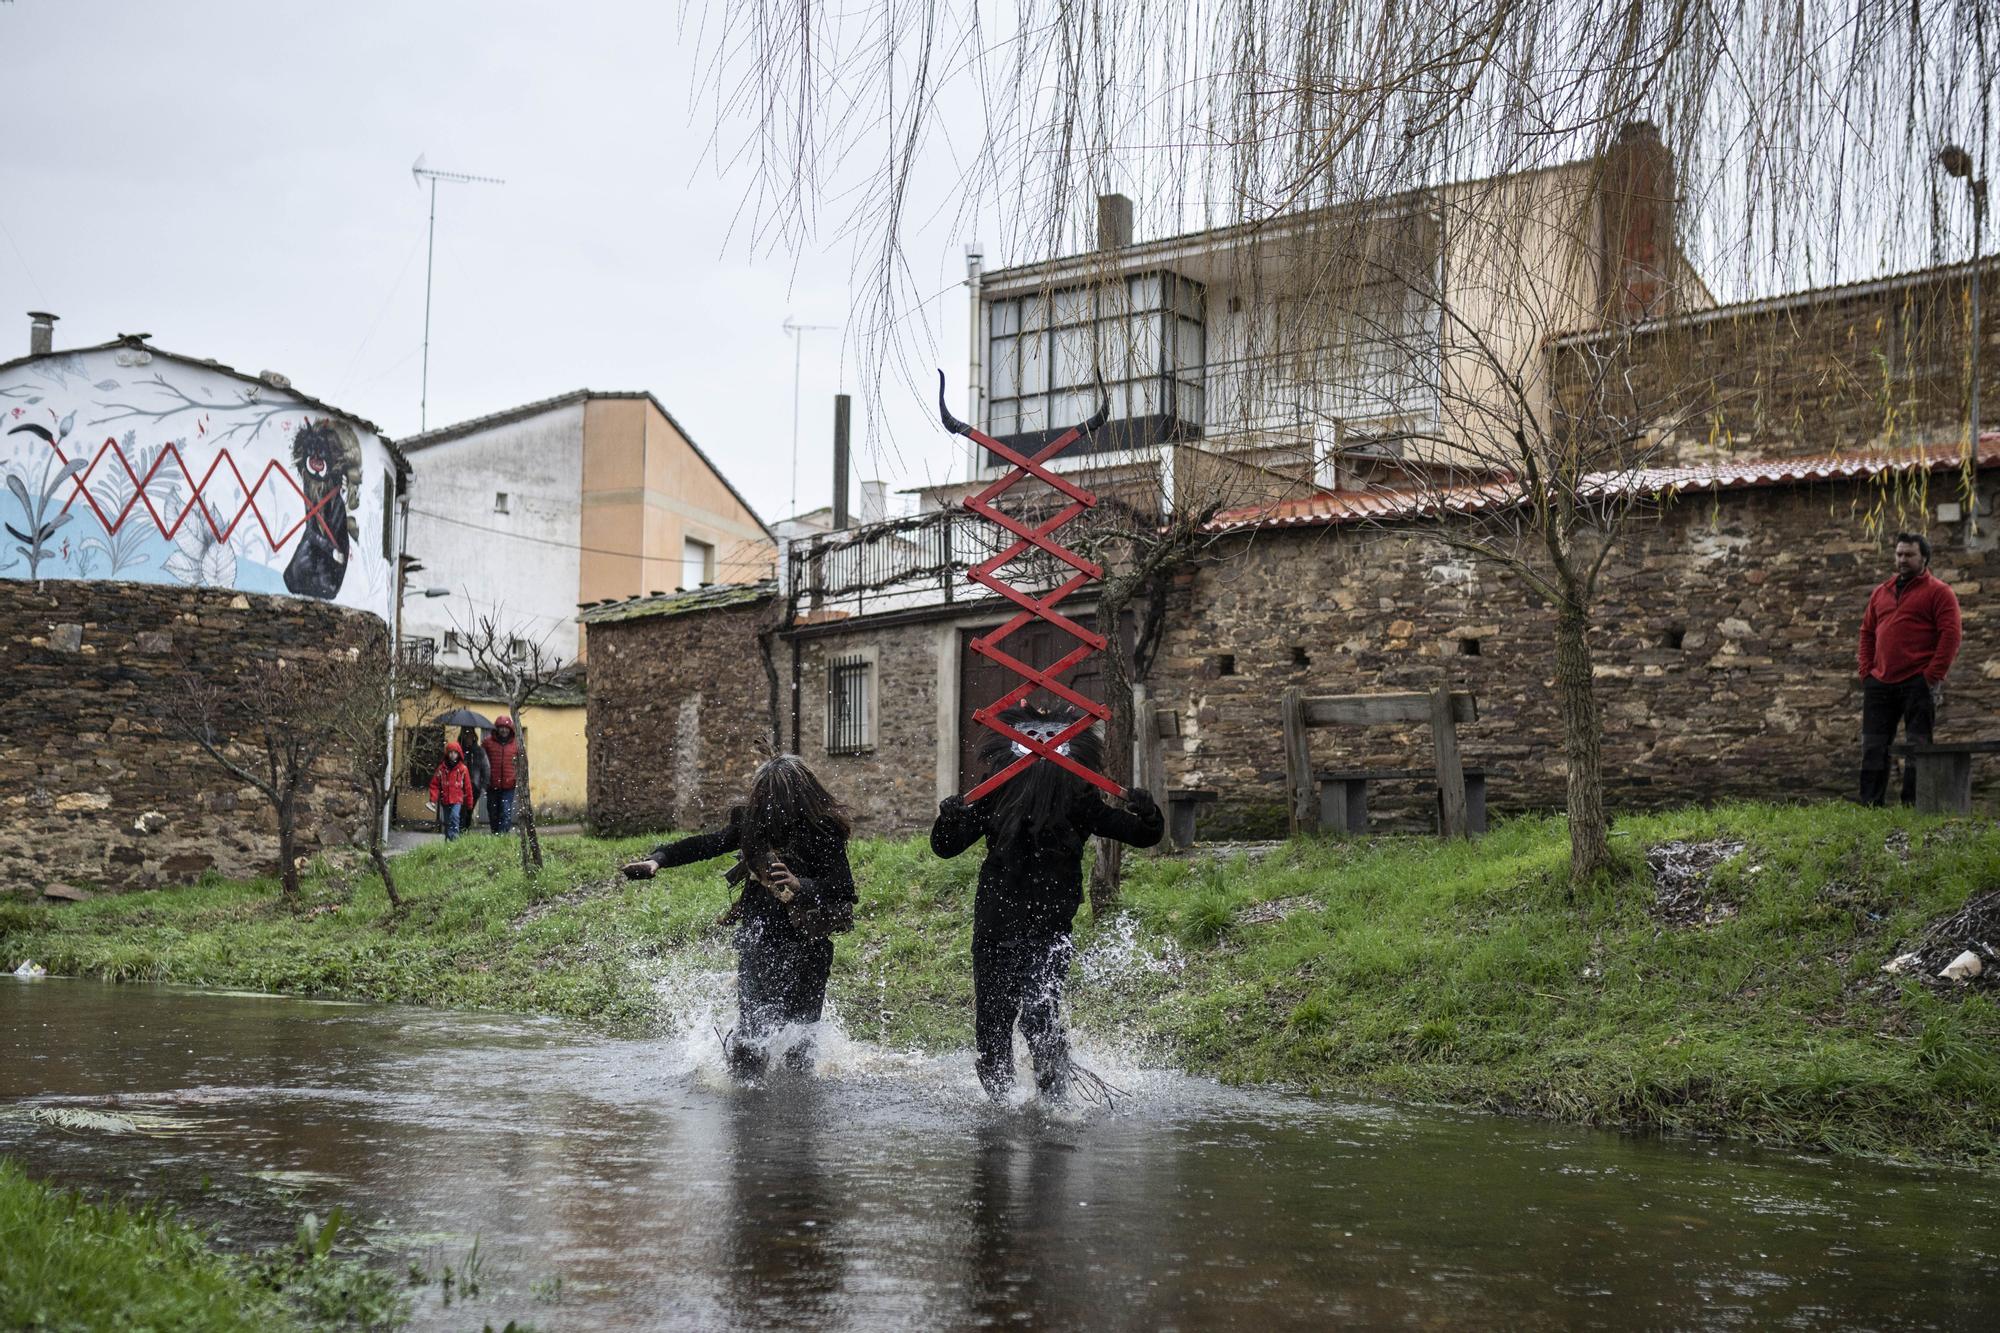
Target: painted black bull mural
[{"x": 328, "y": 459}]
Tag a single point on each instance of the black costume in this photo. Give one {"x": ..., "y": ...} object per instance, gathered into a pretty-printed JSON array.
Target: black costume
[
  {"x": 1030, "y": 886},
  {"x": 781, "y": 968}
]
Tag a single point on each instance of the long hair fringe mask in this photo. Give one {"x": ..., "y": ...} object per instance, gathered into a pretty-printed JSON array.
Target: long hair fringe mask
[
  {"x": 787, "y": 801},
  {"x": 1037, "y": 801}
]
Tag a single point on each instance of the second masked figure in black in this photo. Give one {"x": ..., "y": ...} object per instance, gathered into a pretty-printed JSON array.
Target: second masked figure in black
[
  {"x": 797, "y": 892},
  {"x": 1030, "y": 886}
]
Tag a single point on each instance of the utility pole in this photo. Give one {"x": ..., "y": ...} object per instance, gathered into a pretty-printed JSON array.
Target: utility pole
[
  {"x": 421, "y": 173},
  {"x": 798, "y": 332},
  {"x": 1957, "y": 163}
]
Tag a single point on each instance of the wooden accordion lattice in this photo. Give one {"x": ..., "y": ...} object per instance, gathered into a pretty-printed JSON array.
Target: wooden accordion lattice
[{"x": 986, "y": 573}]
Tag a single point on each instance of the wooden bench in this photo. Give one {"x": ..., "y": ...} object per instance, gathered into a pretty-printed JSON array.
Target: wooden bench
[
  {"x": 1182, "y": 806},
  {"x": 1944, "y": 773},
  {"x": 1443, "y": 709},
  {"x": 1343, "y": 797}
]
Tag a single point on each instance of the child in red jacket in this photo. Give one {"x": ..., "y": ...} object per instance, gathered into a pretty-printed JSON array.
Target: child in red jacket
[{"x": 451, "y": 789}]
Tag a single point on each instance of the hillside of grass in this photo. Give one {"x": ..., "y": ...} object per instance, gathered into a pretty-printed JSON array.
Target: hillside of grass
[{"x": 1749, "y": 1002}]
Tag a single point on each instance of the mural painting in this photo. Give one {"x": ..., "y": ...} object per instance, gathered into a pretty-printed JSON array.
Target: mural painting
[{"x": 122, "y": 464}]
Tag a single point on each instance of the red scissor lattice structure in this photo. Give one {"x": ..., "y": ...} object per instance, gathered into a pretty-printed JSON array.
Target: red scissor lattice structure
[
  {"x": 273, "y": 473},
  {"x": 986, "y": 573}
]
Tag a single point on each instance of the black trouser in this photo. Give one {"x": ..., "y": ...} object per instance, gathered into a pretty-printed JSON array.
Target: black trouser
[
  {"x": 780, "y": 978},
  {"x": 1020, "y": 974},
  {"x": 1883, "y": 705}
]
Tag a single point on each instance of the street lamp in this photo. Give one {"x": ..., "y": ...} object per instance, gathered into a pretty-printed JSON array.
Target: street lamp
[{"x": 1957, "y": 163}]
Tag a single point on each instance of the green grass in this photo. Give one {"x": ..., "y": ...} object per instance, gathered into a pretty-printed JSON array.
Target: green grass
[
  {"x": 76, "y": 1265},
  {"x": 1454, "y": 973}
]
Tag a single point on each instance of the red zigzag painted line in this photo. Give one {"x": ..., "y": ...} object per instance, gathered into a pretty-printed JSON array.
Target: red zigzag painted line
[
  {"x": 987, "y": 574},
  {"x": 197, "y": 499}
]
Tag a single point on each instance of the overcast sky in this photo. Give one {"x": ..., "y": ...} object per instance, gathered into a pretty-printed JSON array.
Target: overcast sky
[{"x": 234, "y": 178}]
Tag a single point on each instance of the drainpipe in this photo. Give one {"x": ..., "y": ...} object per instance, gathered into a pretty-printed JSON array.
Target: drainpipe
[{"x": 976, "y": 345}]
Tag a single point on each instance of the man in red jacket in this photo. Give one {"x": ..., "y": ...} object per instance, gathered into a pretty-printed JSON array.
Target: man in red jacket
[
  {"x": 1909, "y": 635},
  {"x": 503, "y": 750}
]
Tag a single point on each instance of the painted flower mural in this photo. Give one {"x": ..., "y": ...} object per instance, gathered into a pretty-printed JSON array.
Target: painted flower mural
[{"x": 189, "y": 474}]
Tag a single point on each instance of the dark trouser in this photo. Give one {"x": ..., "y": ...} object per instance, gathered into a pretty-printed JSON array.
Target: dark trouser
[
  {"x": 500, "y": 810},
  {"x": 471, "y": 807},
  {"x": 1882, "y": 706},
  {"x": 1020, "y": 974},
  {"x": 780, "y": 979}
]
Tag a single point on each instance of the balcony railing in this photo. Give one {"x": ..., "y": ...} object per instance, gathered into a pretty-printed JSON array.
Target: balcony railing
[
  {"x": 419, "y": 650},
  {"x": 904, "y": 562}
]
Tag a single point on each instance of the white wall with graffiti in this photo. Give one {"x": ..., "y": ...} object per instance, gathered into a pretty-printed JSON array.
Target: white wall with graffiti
[{"x": 125, "y": 462}]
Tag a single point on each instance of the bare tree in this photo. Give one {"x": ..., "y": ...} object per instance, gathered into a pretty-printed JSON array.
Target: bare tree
[
  {"x": 1807, "y": 131},
  {"x": 516, "y": 668},
  {"x": 362, "y": 709},
  {"x": 265, "y": 727},
  {"x": 1140, "y": 549}
]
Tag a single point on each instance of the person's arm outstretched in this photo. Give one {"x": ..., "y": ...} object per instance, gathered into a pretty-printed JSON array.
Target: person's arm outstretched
[
  {"x": 1138, "y": 825},
  {"x": 956, "y": 828},
  {"x": 700, "y": 847}
]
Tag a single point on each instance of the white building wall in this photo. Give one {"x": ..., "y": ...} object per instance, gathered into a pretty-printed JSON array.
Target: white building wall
[
  {"x": 127, "y": 464},
  {"x": 522, "y": 566}
]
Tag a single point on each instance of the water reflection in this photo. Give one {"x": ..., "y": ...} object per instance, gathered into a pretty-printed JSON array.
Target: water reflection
[
  {"x": 886, "y": 1193},
  {"x": 785, "y": 1263}
]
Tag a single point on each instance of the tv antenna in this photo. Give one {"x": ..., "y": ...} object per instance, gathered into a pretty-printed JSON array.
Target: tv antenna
[
  {"x": 798, "y": 332},
  {"x": 421, "y": 173}
]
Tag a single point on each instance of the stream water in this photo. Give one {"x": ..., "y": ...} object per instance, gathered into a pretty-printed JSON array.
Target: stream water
[{"x": 628, "y": 1185}]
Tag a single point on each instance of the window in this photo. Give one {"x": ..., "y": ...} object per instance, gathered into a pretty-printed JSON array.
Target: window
[
  {"x": 1142, "y": 337},
  {"x": 453, "y": 641},
  {"x": 850, "y": 703},
  {"x": 500, "y": 502},
  {"x": 697, "y": 563},
  {"x": 517, "y": 650}
]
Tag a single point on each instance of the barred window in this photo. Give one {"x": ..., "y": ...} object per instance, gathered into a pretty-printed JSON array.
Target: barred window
[{"x": 850, "y": 704}]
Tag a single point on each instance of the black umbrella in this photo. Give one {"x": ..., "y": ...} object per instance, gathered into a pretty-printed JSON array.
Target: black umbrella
[{"x": 462, "y": 717}]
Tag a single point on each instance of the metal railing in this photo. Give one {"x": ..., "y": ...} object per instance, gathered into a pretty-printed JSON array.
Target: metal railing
[
  {"x": 904, "y": 562},
  {"x": 419, "y": 650}
]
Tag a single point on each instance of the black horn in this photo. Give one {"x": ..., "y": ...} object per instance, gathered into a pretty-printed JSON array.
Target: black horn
[
  {"x": 951, "y": 423},
  {"x": 1101, "y": 415}
]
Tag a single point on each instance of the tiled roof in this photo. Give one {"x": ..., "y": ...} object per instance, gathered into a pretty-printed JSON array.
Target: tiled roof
[
  {"x": 1332, "y": 508},
  {"x": 711, "y": 598}
]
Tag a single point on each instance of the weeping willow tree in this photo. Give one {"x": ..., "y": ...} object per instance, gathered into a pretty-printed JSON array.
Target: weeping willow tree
[{"x": 1390, "y": 211}]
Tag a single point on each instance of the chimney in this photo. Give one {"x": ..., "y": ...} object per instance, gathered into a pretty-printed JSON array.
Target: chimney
[
  {"x": 41, "y": 333},
  {"x": 840, "y": 462},
  {"x": 1636, "y": 227},
  {"x": 1114, "y": 222}
]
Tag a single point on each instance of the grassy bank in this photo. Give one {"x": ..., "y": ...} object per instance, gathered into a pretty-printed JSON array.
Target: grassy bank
[
  {"x": 1755, "y": 1007},
  {"x": 76, "y": 1265}
]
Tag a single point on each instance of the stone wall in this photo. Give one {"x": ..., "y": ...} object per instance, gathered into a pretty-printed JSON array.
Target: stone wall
[
  {"x": 1724, "y": 656},
  {"x": 891, "y": 786},
  {"x": 99, "y": 794},
  {"x": 679, "y": 716},
  {"x": 1875, "y": 365}
]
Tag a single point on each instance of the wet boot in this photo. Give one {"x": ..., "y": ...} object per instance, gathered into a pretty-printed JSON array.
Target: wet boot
[
  {"x": 746, "y": 1058},
  {"x": 996, "y": 1078}
]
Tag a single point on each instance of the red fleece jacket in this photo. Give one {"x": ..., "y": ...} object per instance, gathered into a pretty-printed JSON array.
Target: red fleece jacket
[{"x": 1910, "y": 633}]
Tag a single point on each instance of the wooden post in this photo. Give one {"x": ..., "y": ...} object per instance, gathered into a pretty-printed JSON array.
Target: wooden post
[
  {"x": 1298, "y": 763},
  {"x": 1450, "y": 773}
]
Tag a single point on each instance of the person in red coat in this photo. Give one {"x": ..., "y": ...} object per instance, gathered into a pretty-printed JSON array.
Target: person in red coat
[
  {"x": 451, "y": 789},
  {"x": 503, "y": 749},
  {"x": 1909, "y": 636}
]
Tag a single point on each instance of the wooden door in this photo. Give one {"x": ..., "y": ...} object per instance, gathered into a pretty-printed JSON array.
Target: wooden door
[{"x": 981, "y": 681}]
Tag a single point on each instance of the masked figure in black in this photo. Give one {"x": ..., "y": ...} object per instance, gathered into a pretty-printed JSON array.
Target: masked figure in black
[
  {"x": 1030, "y": 886},
  {"x": 797, "y": 892}
]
